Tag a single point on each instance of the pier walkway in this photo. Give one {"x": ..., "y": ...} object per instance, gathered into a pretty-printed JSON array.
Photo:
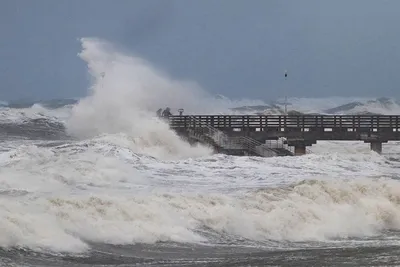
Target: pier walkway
[{"x": 263, "y": 135}]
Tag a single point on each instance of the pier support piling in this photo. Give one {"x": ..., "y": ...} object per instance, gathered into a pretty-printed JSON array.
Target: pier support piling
[
  {"x": 376, "y": 146},
  {"x": 299, "y": 150},
  {"x": 300, "y": 145}
]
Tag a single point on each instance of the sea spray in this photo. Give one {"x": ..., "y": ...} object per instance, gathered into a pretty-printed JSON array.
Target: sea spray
[{"x": 125, "y": 94}]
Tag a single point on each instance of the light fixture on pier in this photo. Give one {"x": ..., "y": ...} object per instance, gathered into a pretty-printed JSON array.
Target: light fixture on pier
[{"x": 285, "y": 92}]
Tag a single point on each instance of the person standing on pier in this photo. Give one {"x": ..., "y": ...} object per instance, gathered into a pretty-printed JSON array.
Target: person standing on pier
[{"x": 167, "y": 112}]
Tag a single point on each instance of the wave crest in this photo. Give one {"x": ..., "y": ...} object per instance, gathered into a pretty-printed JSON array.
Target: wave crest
[
  {"x": 312, "y": 210},
  {"x": 124, "y": 96}
]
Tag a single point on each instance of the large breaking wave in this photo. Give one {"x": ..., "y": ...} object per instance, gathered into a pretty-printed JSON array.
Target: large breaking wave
[{"x": 67, "y": 197}]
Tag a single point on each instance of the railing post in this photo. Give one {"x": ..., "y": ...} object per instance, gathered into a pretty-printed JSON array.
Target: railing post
[
  {"x": 285, "y": 123},
  {"x": 265, "y": 122},
  {"x": 390, "y": 121},
  {"x": 371, "y": 128},
  {"x": 280, "y": 122},
  {"x": 224, "y": 121},
  {"x": 322, "y": 123},
  {"x": 378, "y": 123}
]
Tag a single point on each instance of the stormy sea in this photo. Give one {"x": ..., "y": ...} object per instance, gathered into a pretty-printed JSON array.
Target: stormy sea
[{"x": 101, "y": 181}]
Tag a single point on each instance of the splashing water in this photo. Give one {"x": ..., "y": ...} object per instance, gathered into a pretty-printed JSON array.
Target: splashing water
[
  {"x": 79, "y": 196},
  {"x": 123, "y": 99}
]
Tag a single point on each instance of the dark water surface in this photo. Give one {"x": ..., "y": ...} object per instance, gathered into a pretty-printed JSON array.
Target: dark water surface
[{"x": 161, "y": 255}]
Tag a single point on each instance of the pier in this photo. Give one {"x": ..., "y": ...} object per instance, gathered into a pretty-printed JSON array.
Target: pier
[{"x": 282, "y": 135}]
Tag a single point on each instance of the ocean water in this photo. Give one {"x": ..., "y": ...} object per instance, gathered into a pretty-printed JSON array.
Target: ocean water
[{"x": 101, "y": 182}]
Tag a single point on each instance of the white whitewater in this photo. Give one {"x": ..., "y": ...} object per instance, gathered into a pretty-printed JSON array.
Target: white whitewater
[{"x": 129, "y": 179}]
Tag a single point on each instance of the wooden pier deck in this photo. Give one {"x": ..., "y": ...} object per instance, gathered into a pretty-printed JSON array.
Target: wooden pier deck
[{"x": 299, "y": 131}]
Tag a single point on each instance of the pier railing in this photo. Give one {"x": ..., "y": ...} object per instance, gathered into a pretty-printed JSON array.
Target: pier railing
[{"x": 276, "y": 121}]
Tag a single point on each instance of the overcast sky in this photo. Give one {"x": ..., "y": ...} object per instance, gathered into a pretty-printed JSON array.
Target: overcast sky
[{"x": 239, "y": 48}]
